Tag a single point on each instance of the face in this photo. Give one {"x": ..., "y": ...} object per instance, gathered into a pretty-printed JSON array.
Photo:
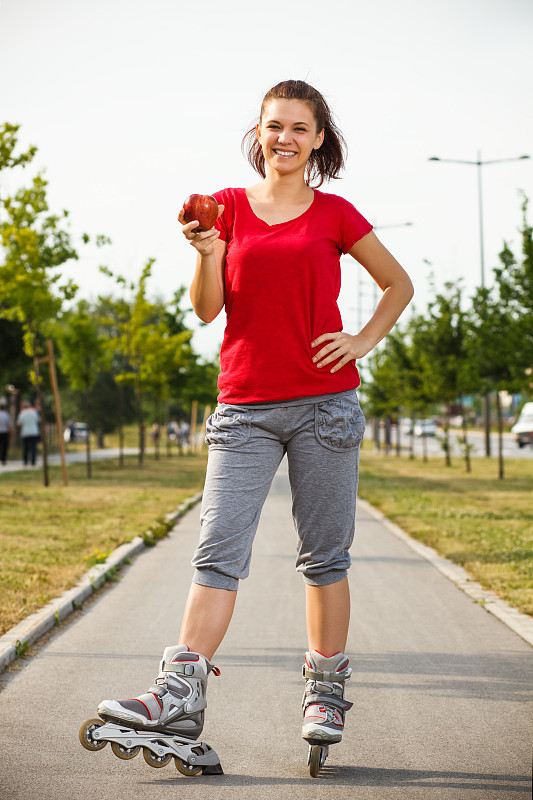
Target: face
[{"x": 288, "y": 135}]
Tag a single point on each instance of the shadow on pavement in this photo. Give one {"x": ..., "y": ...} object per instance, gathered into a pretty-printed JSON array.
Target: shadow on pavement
[{"x": 363, "y": 776}]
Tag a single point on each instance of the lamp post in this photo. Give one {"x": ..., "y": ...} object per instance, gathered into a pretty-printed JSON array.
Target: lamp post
[{"x": 479, "y": 164}]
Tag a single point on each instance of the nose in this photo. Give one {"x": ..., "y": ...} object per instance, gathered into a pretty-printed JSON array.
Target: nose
[{"x": 284, "y": 136}]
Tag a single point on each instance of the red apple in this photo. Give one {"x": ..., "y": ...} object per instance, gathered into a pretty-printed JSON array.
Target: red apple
[{"x": 202, "y": 207}]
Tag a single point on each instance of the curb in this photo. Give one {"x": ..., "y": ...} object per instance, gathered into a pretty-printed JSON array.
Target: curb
[
  {"x": 520, "y": 623},
  {"x": 36, "y": 625}
]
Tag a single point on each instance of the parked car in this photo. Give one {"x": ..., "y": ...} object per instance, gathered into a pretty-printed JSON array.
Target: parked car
[
  {"x": 425, "y": 427},
  {"x": 523, "y": 427},
  {"x": 76, "y": 432},
  {"x": 406, "y": 426}
]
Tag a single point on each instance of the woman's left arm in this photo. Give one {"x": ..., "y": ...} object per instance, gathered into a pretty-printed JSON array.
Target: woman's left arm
[{"x": 397, "y": 290}]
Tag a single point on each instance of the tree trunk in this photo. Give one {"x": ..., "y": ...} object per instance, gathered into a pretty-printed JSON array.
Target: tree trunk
[
  {"x": 157, "y": 431},
  {"x": 194, "y": 419},
  {"x": 447, "y": 442},
  {"x": 465, "y": 439},
  {"x": 387, "y": 436},
  {"x": 121, "y": 426},
  {"x": 57, "y": 409},
  {"x": 167, "y": 423},
  {"x": 140, "y": 421},
  {"x": 88, "y": 442},
  {"x": 500, "y": 436},
  {"x": 141, "y": 443},
  {"x": 424, "y": 445},
  {"x": 377, "y": 437},
  {"x": 42, "y": 426},
  {"x": 398, "y": 438}
]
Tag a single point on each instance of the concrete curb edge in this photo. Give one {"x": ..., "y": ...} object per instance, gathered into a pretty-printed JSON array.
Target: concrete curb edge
[
  {"x": 36, "y": 625},
  {"x": 515, "y": 620}
]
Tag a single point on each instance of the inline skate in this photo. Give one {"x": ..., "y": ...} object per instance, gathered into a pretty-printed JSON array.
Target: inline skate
[
  {"x": 323, "y": 704},
  {"x": 165, "y": 722}
]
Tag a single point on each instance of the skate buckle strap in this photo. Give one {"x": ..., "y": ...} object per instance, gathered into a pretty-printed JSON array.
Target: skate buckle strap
[
  {"x": 329, "y": 677},
  {"x": 180, "y": 669},
  {"x": 189, "y": 670},
  {"x": 320, "y": 698}
]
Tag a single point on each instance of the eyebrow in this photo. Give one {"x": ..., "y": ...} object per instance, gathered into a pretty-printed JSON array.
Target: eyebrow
[{"x": 279, "y": 123}]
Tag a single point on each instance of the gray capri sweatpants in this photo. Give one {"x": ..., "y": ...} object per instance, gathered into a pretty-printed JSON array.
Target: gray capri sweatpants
[{"x": 322, "y": 437}]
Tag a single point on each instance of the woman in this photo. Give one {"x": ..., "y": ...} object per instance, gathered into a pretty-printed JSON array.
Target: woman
[
  {"x": 28, "y": 421},
  {"x": 287, "y": 385}
]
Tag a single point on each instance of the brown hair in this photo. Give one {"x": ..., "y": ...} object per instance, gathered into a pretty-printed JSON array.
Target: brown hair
[{"x": 324, "y": 163}]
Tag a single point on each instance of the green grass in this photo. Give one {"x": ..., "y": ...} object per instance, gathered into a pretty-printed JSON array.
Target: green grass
[
  {"x": 49, "y": 536},
  {"x": 474, "y": 519}
]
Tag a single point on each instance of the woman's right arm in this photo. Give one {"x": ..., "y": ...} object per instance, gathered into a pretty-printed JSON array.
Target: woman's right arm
[{"x": 207, "y": 287}]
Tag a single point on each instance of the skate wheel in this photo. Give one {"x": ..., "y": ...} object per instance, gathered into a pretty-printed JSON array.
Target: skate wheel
[
  {"x": 124, "y": 752},
  {"x": 154, "y": 760},
  {"x": 185, "y": 768},
  {"x": 317, "y": 757},
  {"x": 86, "y": 735}
]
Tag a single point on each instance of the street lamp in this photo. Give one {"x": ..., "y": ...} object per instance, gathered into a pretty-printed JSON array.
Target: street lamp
[{"x": 479, "y": 163}]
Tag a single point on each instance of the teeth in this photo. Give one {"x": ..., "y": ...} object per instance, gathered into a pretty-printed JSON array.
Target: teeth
[{"x": 284, "y": 153}]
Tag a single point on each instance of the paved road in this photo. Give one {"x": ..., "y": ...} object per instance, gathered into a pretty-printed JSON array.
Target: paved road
[
  {"x": 475, "y": 438},
  {"x": 76, "y": 457},
  {"x": 440, "y": 687}
]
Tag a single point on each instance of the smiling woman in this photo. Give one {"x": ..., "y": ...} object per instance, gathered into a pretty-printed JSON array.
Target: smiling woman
[
  {"x": 325, "y": 161},
  {"x": 287, "y": 386}
]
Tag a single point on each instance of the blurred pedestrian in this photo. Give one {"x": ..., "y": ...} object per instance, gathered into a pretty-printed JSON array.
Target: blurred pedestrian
[
  {"x": 184, "y": 434},
  {"x": 6, "y": 427},
  {"x": 28, "y": 422},
  {"x": 172, "y": 430}
]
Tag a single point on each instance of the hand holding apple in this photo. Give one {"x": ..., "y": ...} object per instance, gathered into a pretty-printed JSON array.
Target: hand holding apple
[{"x": 203, "y": 208}]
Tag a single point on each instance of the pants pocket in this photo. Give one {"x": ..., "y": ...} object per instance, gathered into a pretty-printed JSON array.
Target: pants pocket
[
  {"x": 229, "y": 426},
  {"x": 339, "y": 423}
]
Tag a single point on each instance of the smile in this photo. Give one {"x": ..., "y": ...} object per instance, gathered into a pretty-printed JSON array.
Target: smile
[{"x": 285, "y": 153}]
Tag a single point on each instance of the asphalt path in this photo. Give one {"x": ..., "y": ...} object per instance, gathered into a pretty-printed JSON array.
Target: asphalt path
[{"x": 440, "y": 687}]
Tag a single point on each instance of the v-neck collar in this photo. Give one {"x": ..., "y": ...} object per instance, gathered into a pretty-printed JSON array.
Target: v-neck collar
[{"x": 276, "y": 224}]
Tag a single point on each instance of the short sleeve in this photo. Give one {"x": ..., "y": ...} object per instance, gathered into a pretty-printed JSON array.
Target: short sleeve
[
  {"x": 352, "y": 225},
  {"x": 224, "y": 223}
]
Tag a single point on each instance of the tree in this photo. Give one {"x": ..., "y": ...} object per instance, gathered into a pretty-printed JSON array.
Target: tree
[
  {"x": 501, "y": 328},
  {"x": 14, "y": 364},
  {"x": 421, "y": 391},
  {"x": 8, "y": 145},
  {"x": 494, "y": 338},
  {"x": 35, "y": 244},
  {"x": 445, "y": 354},
  {"x": 149, "y": 351},
  {"x": 515, "y": 287},
  {"x": 82, "y": 356},
  {"x": 385, "y": 393}
]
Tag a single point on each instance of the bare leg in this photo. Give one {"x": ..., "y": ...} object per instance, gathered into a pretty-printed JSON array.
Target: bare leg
[
  {"x": 206, "y": 618},
  {"x": 328, "y": 617}
]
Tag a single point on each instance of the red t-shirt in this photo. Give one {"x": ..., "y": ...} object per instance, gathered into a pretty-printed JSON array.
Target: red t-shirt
[{"x": 282, "y": 283}]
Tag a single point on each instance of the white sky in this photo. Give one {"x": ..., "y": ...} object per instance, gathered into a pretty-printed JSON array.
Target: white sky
[{"x": 134, "y": 105}]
